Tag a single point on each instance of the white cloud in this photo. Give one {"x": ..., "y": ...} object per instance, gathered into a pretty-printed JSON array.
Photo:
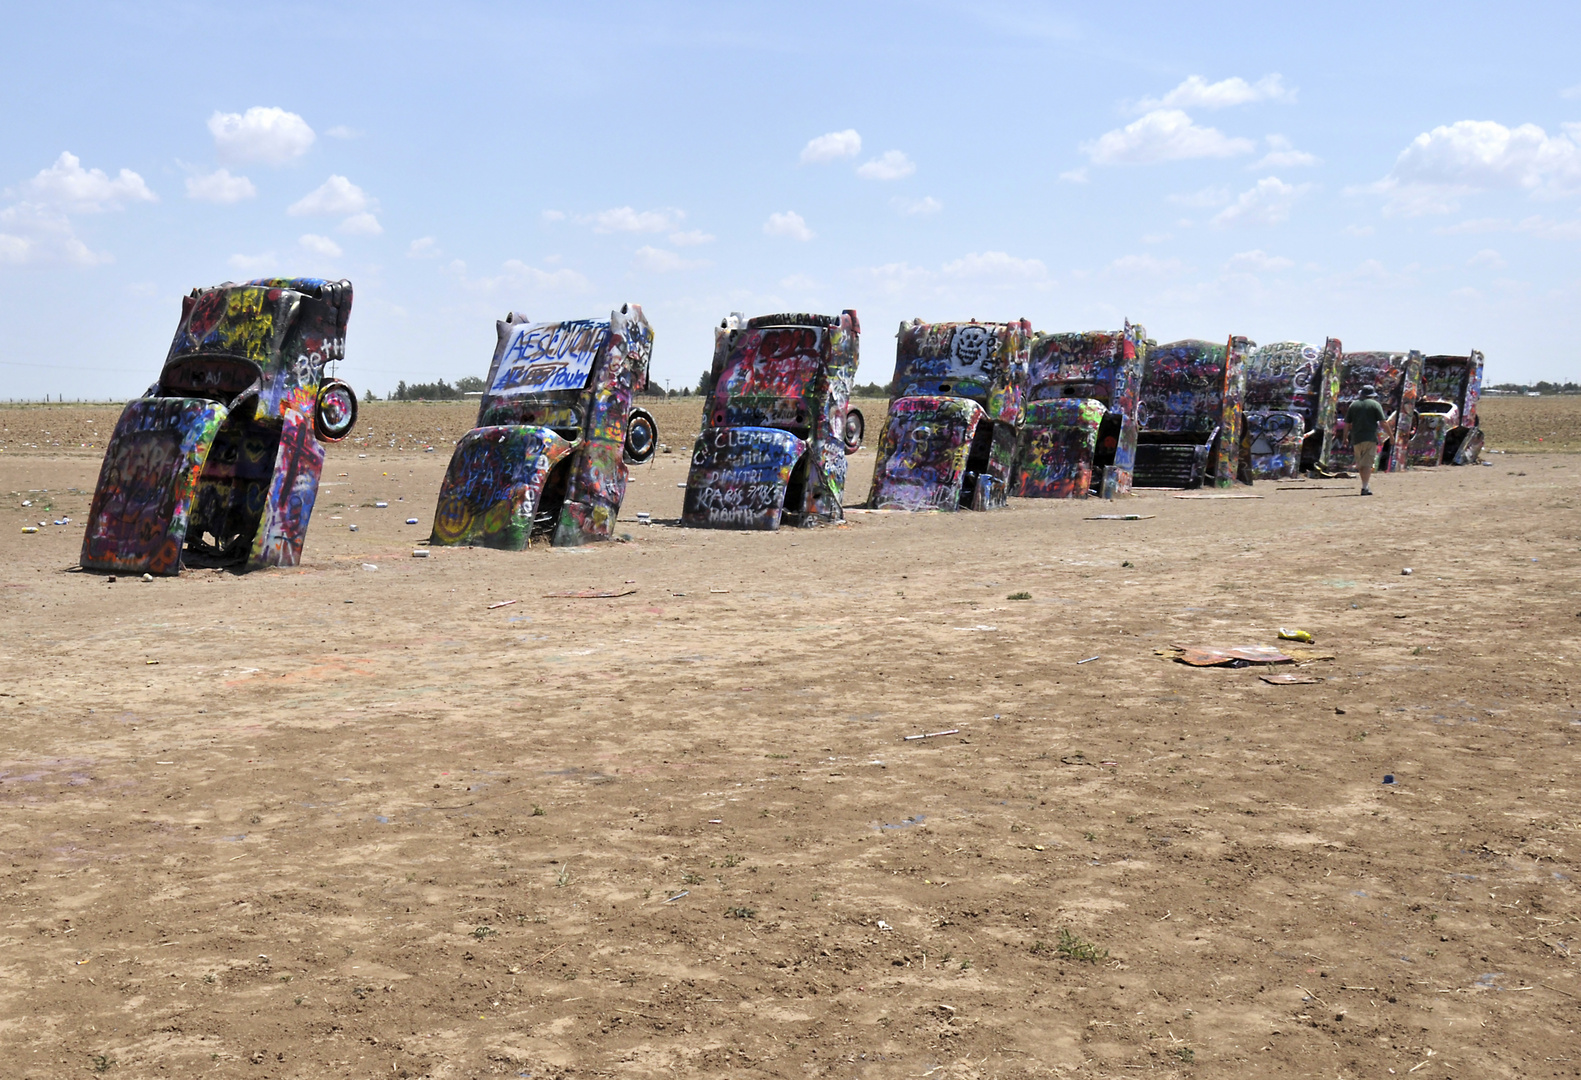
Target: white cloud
[
  {"x": 1198, "y": 93},
  {"x": 1074, "y": 176},
  {"x": 1258, "y": 259},
  {"x": 1282, "y": 154},
  {"x": 1163, "y": 135},
  {"x": 1145, "y": 266},
  {"x": 1207, "y": 198},
  {"x": 831, "y": 147},
  {"x": 659, "y": 261},
  {"x": 337, "y": 195},
  {"x": 790, "y": 224},
  {"x": 221, "y": 187},
  {"x": 1360, "y": 230},
  {"x": 553, "y": 215},
  {"x": 923, "y": 206},
  {"x": 516, "y": 275},
  {"x": 341, "y": 131},
  {"x": 625, "y": 219},
  {"x": 424, "y": 247},
  {"x": 799, "y": 283},
  {"x": 1489, "y": 258},
  {"x": 1537, "y": 225},
  {"x": 1570, "y": 93},
  {"x": 363, "y": 224},
  {"x": 891, "y": 165},
  {"x": 270, "y": 135},
  {"x": 1267, "y": 203},
  {"x": 35, "y": 232},
  {"x": 254, "y": 265},
  {"x": 1442, "y": 166},
  {"x": 320, "y": 245},
  {"x": 68, "y": 185},
  {"x": 691, "y": 238},
  {"x": 995, "y": 265}
]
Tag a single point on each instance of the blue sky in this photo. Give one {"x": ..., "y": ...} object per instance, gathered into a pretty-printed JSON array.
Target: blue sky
[{"x": 1398, "y": 176}]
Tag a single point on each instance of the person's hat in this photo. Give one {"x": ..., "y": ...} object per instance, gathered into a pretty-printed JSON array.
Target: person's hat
[{"x": 1368, "y": 391}]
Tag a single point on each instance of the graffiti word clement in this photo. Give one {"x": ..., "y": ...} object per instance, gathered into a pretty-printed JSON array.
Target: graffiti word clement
[{"x": 544, "y": 357}]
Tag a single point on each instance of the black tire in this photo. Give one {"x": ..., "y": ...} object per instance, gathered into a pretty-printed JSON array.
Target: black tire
[
  {"x": 855, "y": 428},
  {"x": 642, "y": 437},
  {"x": 334, "y": 411}
]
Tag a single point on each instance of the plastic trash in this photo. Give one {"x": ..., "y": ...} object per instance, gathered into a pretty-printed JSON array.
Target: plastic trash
[
  {"x": 30, "y": 528},
  {"x": 411, "y": 521},
  {"x": 1406, "y": 572},
  {"x": 380, "y": 505},
  {"x": 148, "y": 577},
  {"x": 644, "y": 518},
  {"x": 419, "y": 553},
  {"x": 1388, "y": 778},
  {"x": 352, "y": 527},
  {"x": 1295, "y": 635},
  {"x": 369, "y": 566}
]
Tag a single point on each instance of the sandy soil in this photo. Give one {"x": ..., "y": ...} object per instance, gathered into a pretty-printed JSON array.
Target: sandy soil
[{"x": 365, "y": 818}]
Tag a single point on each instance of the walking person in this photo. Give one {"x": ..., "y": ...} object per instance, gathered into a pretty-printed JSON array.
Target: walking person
[{"x": 1362, "y": 421}]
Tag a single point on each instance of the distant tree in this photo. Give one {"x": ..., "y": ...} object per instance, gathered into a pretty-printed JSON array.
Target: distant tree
[
  {"x": 879, "y": 390},
  {"x": 469, "y": 384},
  {"x": 705, "y": 384},
  {"x": 434, "y": 391},
  {"x": 369, "y": 395}
]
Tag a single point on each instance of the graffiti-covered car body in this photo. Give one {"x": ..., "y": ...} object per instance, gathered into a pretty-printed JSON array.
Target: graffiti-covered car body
[
  {"x": 1190, "y": 413},
  {"x": 955, "y": 407},
  {"x": 1447, "y": 429},
  {"x": 548, "y": 454},
  {"x": 1396, "y": 377},
  {"x": 1079, "y": 428},
  {"x": 218, "y": 463},
  {"x": 1291, "y": 388},
  {"x": 774, "y": 441}
]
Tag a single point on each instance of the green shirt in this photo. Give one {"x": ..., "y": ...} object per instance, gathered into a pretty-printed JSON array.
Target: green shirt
[{"x": 1363, "y": 418}]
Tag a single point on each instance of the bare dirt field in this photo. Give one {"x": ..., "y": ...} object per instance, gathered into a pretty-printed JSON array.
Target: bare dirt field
[{"x": 385, "y": 816}]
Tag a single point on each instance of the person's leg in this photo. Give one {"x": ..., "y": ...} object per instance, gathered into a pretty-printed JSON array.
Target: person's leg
[{"x": 1366, "y": 458}]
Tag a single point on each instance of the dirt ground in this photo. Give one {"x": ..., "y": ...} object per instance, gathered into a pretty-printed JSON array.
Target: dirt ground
[{"x": 385, "y": 816}]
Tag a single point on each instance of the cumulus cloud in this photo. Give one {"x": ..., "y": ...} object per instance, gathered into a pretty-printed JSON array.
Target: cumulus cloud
[
  {"x": 516, "y": 275},
  {"x": 363, "y": 224},
  {"x": 1267, "y": 203},
  {"x": 424, "y": 247},
  {"x": 35, "y": 232},
  {"x": 831, "y": 147},
  {"x": 270, "y": 135},
  {"x": 1258, "y": 259},
  {"x": 1537, "y": 225},
  {"x": 1442, "y": 166},
  {"x": 691, "y": 238},
  {"x": 220, "y": 187},
  {"x": 253, "y": 265},
  {"x": 341, "y": 131},
  {"x": 1208, "y": 197},
  {"x": 625, "y": 219},
  {"x": 891, "y": 165},
  {"x": 917, "y": 207},
  {"x": 1282, "y": 154},
  {"x": 790, "y": 224},
  {"x": 1489, "y": 258},
  {"x": 337, "y": 195},
  {"x": 659, "y": 261},
  {"x": 1163, "y": 135},
  {"x": 1145, "y": 266},
  {"x": 1198, "y": 93},
  {"x": 995, "y": 265},
  {"x": 1074, "y": 176},
  {"x": 970, "y": 273},
  {"x": 67, "y": 185},
  {"x": 319, "y": 245}
]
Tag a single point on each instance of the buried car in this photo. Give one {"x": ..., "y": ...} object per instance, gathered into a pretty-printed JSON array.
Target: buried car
[
  {"x": 1447, "y": 428},
  {"x": 1291, "y": 389},
  {"x": 950, "y": 439},
  {"x": 218, "y": 463},
  {"x": 1190, "y": 414},
  {"x": 555, "y": 430},
  {"x": 777, "y": 423},
  {"x": 1396, "y": 377},
  {"x": 1078, "y": 433}
]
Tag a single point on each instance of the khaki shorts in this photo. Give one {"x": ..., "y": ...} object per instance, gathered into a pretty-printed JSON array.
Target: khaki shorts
[{"x": 1366, "y": 452}]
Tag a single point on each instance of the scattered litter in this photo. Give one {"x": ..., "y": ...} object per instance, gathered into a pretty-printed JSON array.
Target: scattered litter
[
  {"x": 977, "y": 627},
  {"x": 1406, "y": 572},
  {"x": 1090, "y": 659},
  {"x": 644, "y": 517},
  {"x": 681, "y": 484},
  {"x": 419, "y": 553},
  {"x": 1215, "y": 495},
  {"x": 718, "y": 590},
  {"x": 369, "y": 566},
  {"x": 1121, "y": 517},
  {"x": 27, "y": 502},
  {"x": 589, "y": 594},
  {"x": 30, "y": 528},
  {"x": 353, "y": 528},
  {"x": 716, "y": 821},
  {"x": 678, "y": 895},
  {"x": 1283, "y": 679},
  {"x": 501, "y": 603},
  {"x": 150, "y": 662},
  {"x": 931, "y": 735},
  {"x": 381, "y": 505},
  {"x": 1388, "y": 778},
  {"x": 882, "y": 925},
  {"x": 1295, "y": 635},
  {"x": 411, "y": 521},
  {"x": 1241, "y": 656},
  {"x": 148, "y": 577}
]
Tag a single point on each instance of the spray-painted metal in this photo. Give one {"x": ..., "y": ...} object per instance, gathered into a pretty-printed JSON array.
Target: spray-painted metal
[
  {"x": 1447, "y": 428},
  {"x": 1079, "y": 429},
  {"x": 554, "y": 434},
  {"x": 1191, "y": 414},
  {"x": 1290, "y": 387},
  {"x": 777, "y": 423},
  {"x": 218, "y": 463},
  {"x": 1397, "y": 378},
  {"x": 950, "y": 439}
]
